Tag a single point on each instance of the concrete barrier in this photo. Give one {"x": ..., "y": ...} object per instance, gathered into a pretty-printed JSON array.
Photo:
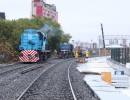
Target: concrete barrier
[{"x": 118, "y": 66}]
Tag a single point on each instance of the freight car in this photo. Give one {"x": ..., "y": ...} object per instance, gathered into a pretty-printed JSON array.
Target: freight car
[
  {"x": 65, "y": 50},
  {"x": 33, "y": 46}
]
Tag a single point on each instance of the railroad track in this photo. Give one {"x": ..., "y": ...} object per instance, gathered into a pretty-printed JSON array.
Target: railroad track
[
  {"x": 19, "y": 67},
  {"x": 6, "y": 65},
  {"x": 69, "y": 93},
  {"x": 13, "y": 82},
  {"x": 14, "y": 70},
  {"x": 74, "y": 96},
  {"x": 57, "y": 80}
]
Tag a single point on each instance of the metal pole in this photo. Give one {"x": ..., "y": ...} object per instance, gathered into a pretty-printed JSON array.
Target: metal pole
[
  {"x": 104, "y": 49},
  {"x": 103, "y": 36},
  {"x": 99, "y": 47}
]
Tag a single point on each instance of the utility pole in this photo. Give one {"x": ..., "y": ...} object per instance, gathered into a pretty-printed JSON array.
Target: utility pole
[
  {"x": 99, "y": 47},
  {"x": 104, "y": 49}
]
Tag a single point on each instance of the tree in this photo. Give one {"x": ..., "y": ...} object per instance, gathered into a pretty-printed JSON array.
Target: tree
[
  {"x": 66, "y": 38},
  {"x": 11, "y": 30}
]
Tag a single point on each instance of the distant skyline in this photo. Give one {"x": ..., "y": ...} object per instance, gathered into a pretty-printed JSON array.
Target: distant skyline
[{"x": 80, "y": 18}]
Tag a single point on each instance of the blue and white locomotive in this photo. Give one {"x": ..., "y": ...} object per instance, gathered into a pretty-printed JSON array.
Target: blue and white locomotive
[
  {"x": 65, "y": 50},
  {"x": 33, "y": 46}
]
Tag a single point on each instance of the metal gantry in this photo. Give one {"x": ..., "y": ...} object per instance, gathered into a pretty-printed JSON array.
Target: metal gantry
[{"x": 113, "y": 39}]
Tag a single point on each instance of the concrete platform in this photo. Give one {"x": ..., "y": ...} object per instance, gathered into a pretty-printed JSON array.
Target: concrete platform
[{"x": 104, "y": 90}]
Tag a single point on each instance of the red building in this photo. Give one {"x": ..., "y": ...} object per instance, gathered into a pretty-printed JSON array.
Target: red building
[{"x": 42, "y": 9}]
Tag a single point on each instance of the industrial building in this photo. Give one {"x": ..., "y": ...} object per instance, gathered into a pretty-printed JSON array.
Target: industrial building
[{"x": 42, "y": 9}]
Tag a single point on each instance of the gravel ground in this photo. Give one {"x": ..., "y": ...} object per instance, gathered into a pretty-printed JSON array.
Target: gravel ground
[
  {"x": 3, "y": 65},
  {"x": 81, "y": 89},
  {"x": 52, "y": 85},
  {"x": 11, "y": 67},
  {"x": 13, "y": 84}
]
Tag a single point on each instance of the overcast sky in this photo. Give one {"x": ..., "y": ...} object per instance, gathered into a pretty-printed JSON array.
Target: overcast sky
[{"x": 80, "y": 18}]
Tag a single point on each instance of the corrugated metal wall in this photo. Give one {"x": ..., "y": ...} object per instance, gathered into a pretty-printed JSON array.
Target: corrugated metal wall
[{"x": 121, "y": 55}]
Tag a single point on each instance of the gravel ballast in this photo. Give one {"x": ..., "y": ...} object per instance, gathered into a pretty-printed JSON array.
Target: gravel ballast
[
  {"x": 13, "y": 84},
  {"x": 54, "y": 85},
  {"x": 81, "y": 89}
]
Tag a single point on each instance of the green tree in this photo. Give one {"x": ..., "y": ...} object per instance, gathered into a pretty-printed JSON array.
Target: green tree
[
  {"x": 11, "y": 30},
  {"x": 66, "y": 38}
]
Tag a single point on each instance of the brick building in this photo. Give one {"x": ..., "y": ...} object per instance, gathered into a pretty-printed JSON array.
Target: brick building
[{"x": 42, "y": 9}]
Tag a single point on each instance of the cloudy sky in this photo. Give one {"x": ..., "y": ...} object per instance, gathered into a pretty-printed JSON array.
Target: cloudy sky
[{"x": 80, "y": 18}]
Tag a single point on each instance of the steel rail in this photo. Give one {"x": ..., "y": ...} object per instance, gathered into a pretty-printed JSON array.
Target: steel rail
[
  {"x": 70, "y": 82},
  {"x": 24, "y": 67},
  {"x": 35, "y": 80},
  {"x": 7, "y": 65},
  {"x": 11, "y": 70}
]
